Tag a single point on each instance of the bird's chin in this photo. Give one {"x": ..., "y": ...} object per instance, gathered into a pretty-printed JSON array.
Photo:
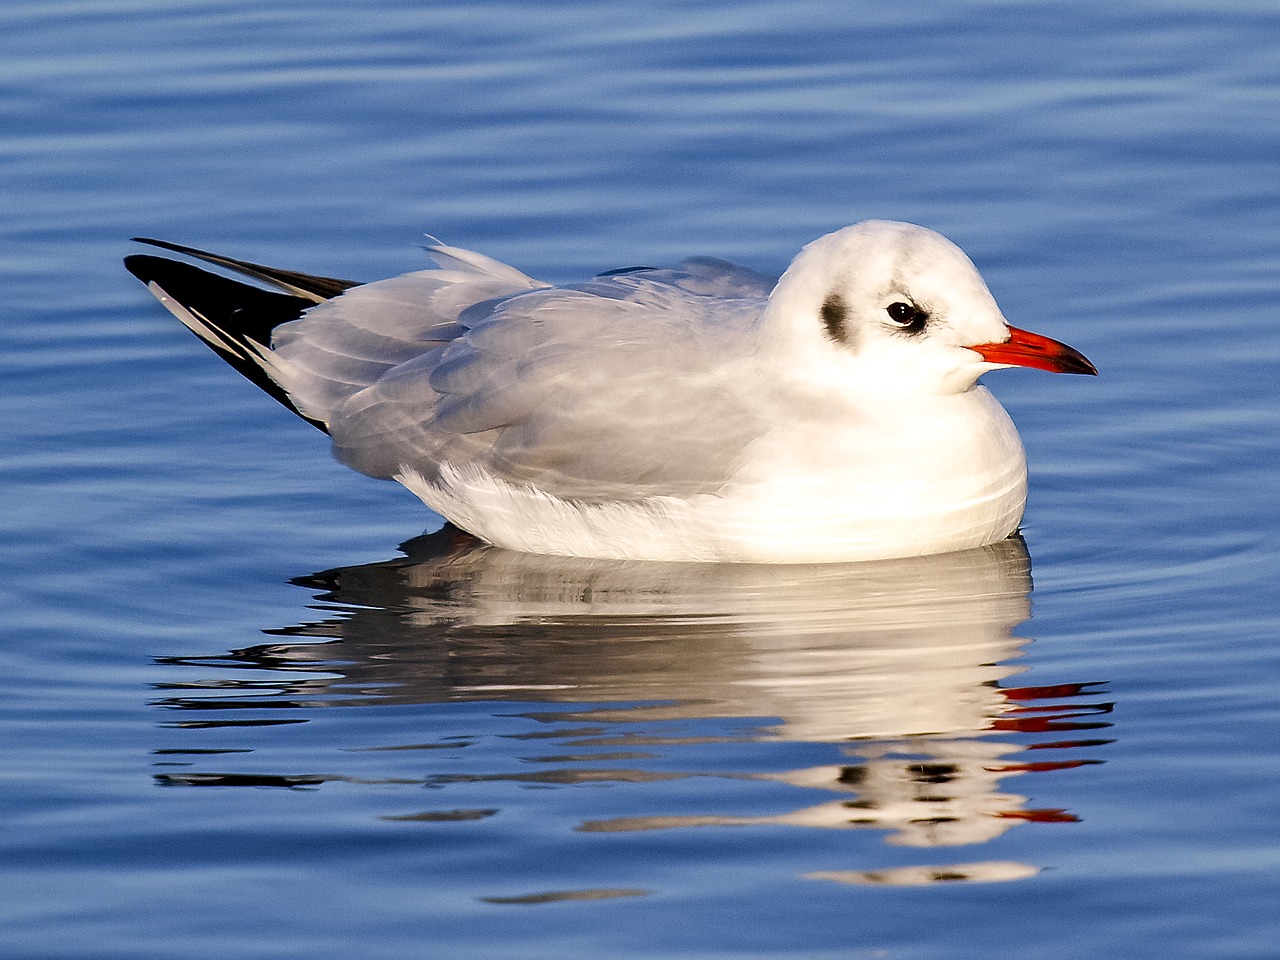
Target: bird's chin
[{"x": 950, "y": 383}]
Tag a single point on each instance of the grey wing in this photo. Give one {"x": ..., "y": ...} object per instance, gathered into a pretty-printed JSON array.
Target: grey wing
[
  {"x": 712, "y": 277},
  {"x": 622, "y": 387},
  {"x": 348, "y": 343}
]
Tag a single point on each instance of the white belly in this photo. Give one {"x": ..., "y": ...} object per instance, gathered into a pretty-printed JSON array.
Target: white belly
[{"x": 802, "y": 495}]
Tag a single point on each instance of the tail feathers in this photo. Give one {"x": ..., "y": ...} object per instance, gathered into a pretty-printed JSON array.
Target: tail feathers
[{"x": 235, "y": 319}]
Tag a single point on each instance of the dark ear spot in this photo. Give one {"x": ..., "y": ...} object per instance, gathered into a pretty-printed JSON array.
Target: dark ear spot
[{"x": 834, "y": 313}]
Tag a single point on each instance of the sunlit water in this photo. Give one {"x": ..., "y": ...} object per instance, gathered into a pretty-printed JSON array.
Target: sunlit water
[{"x": 239, "y": 721}]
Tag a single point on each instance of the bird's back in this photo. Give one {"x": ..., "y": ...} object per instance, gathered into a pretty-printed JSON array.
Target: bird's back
[{"x": 619, "y": 388}]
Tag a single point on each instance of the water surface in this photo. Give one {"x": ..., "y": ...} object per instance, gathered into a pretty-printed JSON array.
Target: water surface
[{"x": 239, "y": 720}]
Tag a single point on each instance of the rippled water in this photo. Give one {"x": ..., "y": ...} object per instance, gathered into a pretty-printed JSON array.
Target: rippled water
[{"x": 239, "y": 721}]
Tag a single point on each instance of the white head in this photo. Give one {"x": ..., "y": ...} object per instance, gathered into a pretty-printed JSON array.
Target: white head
[{"x": 894, "y": 307}]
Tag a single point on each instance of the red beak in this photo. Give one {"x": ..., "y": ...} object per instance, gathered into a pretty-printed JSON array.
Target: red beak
[{"x": 1026, "y": 349}]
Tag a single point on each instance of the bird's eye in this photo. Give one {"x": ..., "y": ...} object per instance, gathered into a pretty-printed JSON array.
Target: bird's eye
[{"x": 906, "y": 316}]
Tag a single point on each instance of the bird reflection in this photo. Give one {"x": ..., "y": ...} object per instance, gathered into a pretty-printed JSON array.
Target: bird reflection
[{"x": 906, "y": 664}]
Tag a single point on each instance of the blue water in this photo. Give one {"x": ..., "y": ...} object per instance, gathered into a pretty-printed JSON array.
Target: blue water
[{"x": 238, "y": 721}]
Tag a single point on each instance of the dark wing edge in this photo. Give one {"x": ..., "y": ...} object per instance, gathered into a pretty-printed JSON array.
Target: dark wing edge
[
  {"x": 317, "y": 289},
  {"x": 234, "y": 319}
]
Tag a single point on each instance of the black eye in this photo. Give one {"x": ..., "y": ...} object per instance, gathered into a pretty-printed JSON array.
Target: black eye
[{"x": 907, "y": 316}]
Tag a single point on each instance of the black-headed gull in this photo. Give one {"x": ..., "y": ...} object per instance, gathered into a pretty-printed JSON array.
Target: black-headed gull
[{"x": 703, "y": 412}]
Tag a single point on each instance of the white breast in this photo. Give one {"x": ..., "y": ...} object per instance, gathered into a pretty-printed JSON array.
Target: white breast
[{"x": 950, "y": 475}]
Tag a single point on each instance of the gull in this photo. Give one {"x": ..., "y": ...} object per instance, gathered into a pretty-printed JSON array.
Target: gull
[{"x": 703, "y": 412}]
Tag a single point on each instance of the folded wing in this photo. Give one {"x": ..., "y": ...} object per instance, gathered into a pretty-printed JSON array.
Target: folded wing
[
  {"x": 622, "y": 387},
  {"x": 617, "y": 388}
]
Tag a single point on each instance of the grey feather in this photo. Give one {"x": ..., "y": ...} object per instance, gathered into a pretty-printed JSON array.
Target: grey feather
[{"x": 551, "y": 386}]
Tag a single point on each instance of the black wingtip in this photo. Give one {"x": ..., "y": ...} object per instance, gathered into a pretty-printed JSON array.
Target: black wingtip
[
  {"x": 142, "y": 266},
  {"x": 237, "y": 313},
  {"x": 317, "y": 288}
]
